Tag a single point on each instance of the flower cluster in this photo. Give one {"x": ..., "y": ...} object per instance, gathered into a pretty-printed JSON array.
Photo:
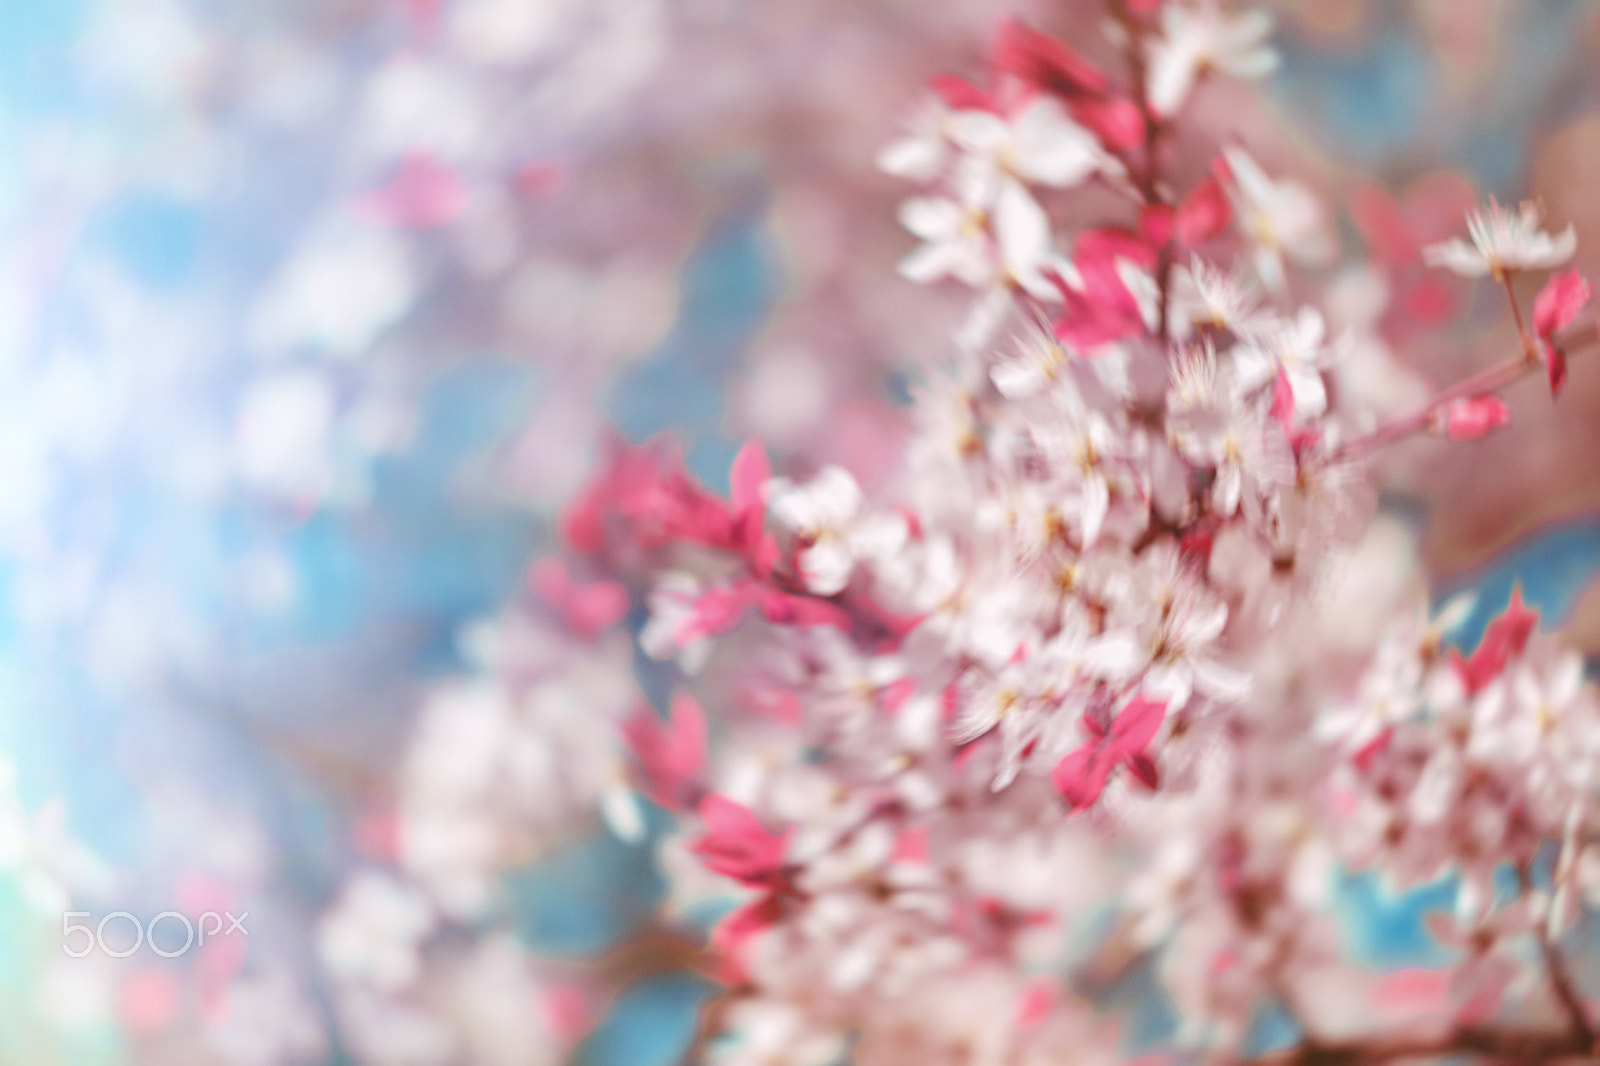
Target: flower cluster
[{"x": 1100, "y": 641}]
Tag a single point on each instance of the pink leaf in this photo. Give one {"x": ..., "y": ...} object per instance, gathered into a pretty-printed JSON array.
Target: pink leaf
[
  {"x": 734, "y": 931},
  {"x": 1559, "y": 302},
  {"x": 1145, "y": 771},
  {"x": 1205, "y": 213},
  {"x": 568, "y": 1010},
  {"x": 1080, "y": 777},
  {"x": 959, "y": 94},
  {"x": 912, "y": 844},
  {"x": 1391, "y": 240},
  {"x": 1116, "y": 120},
  {"x": 1282, "y": 410},
  {"x": 716, "y": 612},
  {"x": 538, "y": 178},
  {"x": 1156, "y": 223},
  {"x": 1504, "y": 639},
  {"x": 1041, "y": 60},
  {"x": 1134, "y": 728},
  {"x": 586, "y": 609},
  {"x": 736, "y": 844},
  {"x": 787, "y": 609},
  {"x": 670, "y": 754},
  {"x": 1555, "y": 362},
  {"x": 750, "y": 471}
]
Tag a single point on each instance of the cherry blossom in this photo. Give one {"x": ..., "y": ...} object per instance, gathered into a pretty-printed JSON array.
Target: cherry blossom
[
  {"x": 833, "y": 534},
  {"x": 1504, "y": 241},
  {"x": 1199, "y": 36},
  {"x": 1278, "y": 218}
]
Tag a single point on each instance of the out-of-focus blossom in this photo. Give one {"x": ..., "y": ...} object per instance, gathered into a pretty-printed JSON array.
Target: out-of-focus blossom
[
  {"x": 1279, "y": 218},
  {"x": 1198, "y": 36}
]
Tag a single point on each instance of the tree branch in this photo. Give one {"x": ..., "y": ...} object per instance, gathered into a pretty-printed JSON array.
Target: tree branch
[
  {"x": 1555, "y": 966},
  {"x": 1519, "y": 1045}
]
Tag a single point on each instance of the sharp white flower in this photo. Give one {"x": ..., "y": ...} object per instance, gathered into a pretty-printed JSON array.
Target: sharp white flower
[{"x": 1503, "y": 241}]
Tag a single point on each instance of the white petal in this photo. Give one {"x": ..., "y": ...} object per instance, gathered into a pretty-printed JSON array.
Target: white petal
[
  {"x": 916, "y": 158},
  {"x": 825, "y": 566},
  {"x": 1173, "y": 67},
  {"x": 879, "y": 536},
  {"x": 1257, "y": 63},
  {"x": 981, "y": 131},
  {"x": 1562, "y": 246},
  {"x": 934, "y": 261},
  {"x": 932, "y": 217},
  {"x": 1269, "y": 266},
  {"x": 1115, "y": 656},
  {"x": 1096, "y": 502},
  {"x": 1227, "y": 489},
  {"x": 1018, "y": 378},
  {"x": 836, "y": 496},
  {"x": 1023, "y": 229},
  {"x": 1051, "y": 148},
  {"x": 1456, "y": 255},
  {"x": 620, "y": 809},
  {"x": 1223, "y": 684},
  {"x": 1455, "y": 612},
  {"x": 1310, "y": 396}
]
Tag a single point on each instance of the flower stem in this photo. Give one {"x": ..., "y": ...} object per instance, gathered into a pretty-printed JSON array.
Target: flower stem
[{"x": 1490, "y": 379}]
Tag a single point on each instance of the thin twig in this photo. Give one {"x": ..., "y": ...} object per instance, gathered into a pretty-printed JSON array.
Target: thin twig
[
  {"x": 1556, "y": 972},
  {"x": 1491, "y": 379},
  {"x": 1514, "y": 1044}
]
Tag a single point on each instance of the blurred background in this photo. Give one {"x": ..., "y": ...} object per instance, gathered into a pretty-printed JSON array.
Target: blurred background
[{"x": 314, "y": 312}]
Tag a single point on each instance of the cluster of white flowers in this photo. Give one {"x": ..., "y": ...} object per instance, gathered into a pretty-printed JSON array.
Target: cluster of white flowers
[{"x": 1101, "y": 650}]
